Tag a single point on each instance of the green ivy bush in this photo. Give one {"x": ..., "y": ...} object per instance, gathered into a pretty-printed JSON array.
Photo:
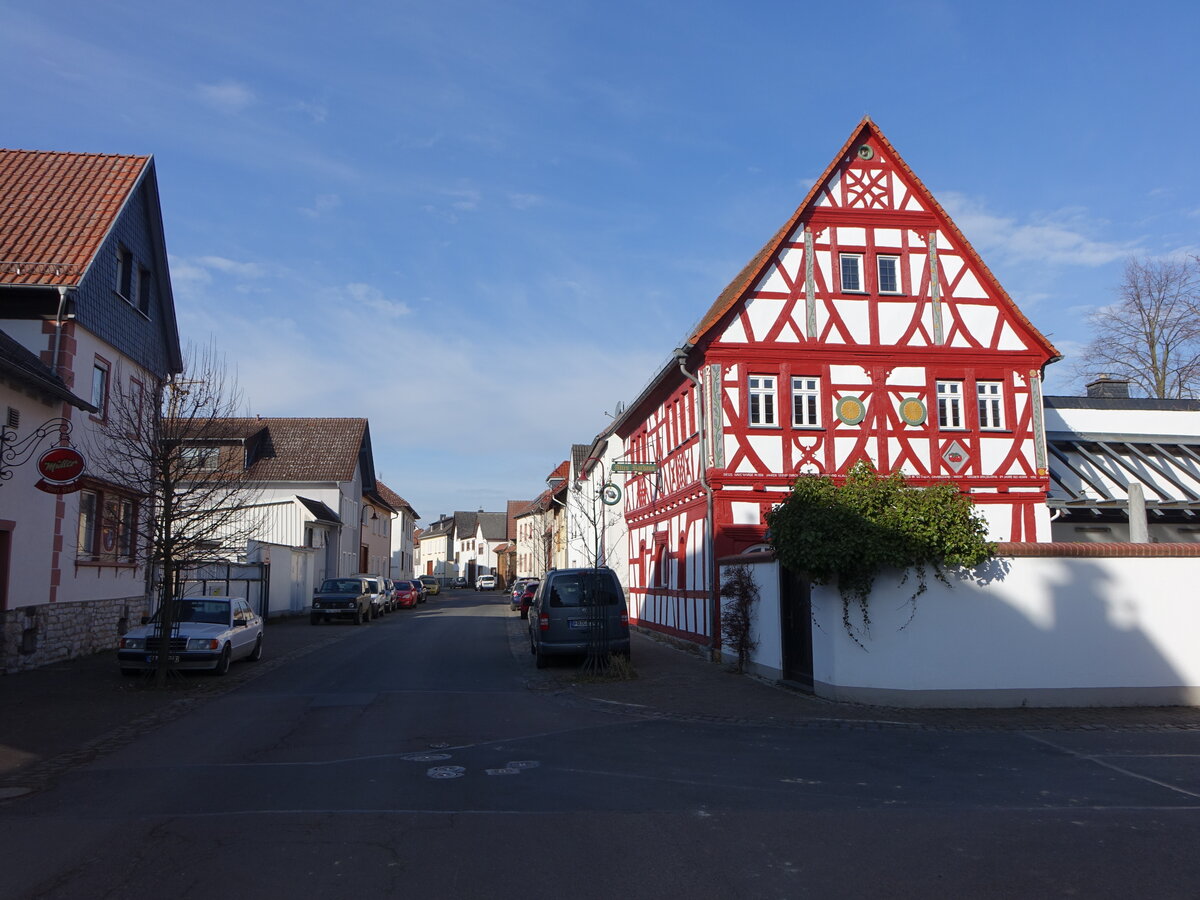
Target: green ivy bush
[{"x": 849, "y": 532}]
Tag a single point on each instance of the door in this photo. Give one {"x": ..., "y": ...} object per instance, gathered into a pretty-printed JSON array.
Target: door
[{"x": 795, "y": 610}]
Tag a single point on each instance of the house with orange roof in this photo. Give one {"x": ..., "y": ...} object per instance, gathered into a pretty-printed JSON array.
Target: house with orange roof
[{"x": 86, "y": 314}]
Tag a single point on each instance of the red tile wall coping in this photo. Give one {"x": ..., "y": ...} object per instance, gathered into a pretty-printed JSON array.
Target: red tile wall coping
[
  {"x": 1094, "y": 550},
  {"x": 1062, "y": 549}
]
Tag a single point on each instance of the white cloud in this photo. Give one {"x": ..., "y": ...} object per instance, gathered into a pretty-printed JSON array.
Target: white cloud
[
  {"x": 1056, "y": 238},
  {"x": 322, "y": 204},
  {"x": 226, "y": 96},
  {"x": 232, "y": 267},
  {"x": 369, "y": 298}
]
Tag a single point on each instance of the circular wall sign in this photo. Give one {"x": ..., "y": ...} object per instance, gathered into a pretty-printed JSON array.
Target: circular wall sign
[
  {"x": 61, "y": 464},
  {"x": 851, "y": 410},
  {"x": 912, "y": 411},
  {"x": 610, "y": 494},
  {"x": 865, "y": 152}
]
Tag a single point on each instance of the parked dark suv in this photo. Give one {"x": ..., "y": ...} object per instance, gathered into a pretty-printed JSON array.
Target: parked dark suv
[
  {"x": 342, "y": 598},
  {"x": 575, "y": 611}
]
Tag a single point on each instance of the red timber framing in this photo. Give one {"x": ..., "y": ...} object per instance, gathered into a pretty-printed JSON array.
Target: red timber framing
[{"x": 867, "y": 328}]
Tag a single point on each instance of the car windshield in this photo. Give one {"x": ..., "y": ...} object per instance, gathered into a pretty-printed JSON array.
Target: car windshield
[
  {"x": 209, "y": 612},
  {"x": 584, "y": 589},
  {"x": 341, "y": 586}
]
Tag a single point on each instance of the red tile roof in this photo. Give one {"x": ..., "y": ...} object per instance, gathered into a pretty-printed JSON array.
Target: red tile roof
[
  {"x": 56, "y": 210},
  {"x": 321, "y": 450},
  {"x": 394, "y": 500}
]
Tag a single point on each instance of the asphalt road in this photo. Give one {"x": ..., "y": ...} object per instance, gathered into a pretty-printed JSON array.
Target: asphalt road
[{"x": 424, "y": 755}]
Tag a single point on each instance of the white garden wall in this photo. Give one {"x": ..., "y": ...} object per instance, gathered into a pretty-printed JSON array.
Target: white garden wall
[{"x": 1036, "y": 631}]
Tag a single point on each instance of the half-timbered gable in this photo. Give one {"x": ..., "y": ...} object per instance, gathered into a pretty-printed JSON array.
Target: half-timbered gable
[{"x": 867, "y": 328}]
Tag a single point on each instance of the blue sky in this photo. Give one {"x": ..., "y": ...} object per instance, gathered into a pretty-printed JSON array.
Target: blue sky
[{"x": 482, "y": 224}]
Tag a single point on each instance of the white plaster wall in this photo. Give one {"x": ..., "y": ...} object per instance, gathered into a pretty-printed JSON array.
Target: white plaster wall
[
  {"x": 1040, "y": 627},
  {"x": 1031, "y": 631},
  {"x": 32, "y": 511}
]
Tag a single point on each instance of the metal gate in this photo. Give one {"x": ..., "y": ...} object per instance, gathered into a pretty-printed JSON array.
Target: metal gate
[{"x": 224, "y": 579}]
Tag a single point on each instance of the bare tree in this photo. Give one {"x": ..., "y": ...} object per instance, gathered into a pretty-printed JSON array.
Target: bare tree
[
  {"x": 590, "y": 521},
  {"x": 172, "y": 448},
  {"x": 1151, "y": 335}
]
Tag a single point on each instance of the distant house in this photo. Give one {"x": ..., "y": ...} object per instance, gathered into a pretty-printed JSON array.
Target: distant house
[
  {"x": 542, "y": 527},
  {"x": 375, "y": 542},
  {"x": 437, "y": 549},
  {"x": 86, "y": 311},
  {"x": 316, "y": 495},
  {"x": 403, "y": 526}
]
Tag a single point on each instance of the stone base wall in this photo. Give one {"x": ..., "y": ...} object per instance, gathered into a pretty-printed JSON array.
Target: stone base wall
[{"x": 32, "y": 636}]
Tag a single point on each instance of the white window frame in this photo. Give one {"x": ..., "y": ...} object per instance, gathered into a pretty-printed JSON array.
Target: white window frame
[
  {"x": 950, "y": 406},
  {"x": 879, "y": 261},
  {"x": 762, "y": 414},
  {"x": 844, "y": 258},
  {"x": 807, "y": 390},
  {"x": 991, "y": 404}
]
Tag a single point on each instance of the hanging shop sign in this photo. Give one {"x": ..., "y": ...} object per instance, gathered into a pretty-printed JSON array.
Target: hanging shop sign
[
  {"x": 61, "y": 469},
  {"x": 610, "y": 494}
]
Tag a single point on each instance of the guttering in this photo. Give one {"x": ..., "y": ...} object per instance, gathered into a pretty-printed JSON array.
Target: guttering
[
  {"x": 63, "y": 293},
  {"x": 681, "y": 356}
]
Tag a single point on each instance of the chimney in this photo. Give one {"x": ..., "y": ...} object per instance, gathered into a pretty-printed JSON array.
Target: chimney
[{"x": 1106, "y": 387}]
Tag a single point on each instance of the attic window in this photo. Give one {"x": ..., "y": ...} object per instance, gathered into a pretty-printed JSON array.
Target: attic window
[
  {"x": 124, "y": 272},
  {"x": 143, "y": 290}
]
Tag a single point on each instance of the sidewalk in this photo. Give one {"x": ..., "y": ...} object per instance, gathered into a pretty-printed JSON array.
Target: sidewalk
[{"x": 680, "y": 684}]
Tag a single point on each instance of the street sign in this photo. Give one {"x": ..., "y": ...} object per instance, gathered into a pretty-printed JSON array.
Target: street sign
[{"x": 635, "y": 468}]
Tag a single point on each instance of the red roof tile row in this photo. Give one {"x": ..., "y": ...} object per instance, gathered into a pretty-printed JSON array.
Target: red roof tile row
[{"x": 57, "y": 208}]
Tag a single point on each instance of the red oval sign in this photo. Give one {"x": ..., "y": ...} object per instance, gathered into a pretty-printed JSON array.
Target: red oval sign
[{"x": 61, "y": 464}]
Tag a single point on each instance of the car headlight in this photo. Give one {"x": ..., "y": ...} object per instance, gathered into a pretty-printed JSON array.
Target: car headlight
[
  {"x": 133, "y": 643},
  {"x": 201, "y": 644}
]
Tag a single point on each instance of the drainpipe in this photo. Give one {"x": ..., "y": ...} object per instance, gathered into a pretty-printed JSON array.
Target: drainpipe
[
  {"x": 681, "y": 355},
  {"x": 63, "y": 292}
]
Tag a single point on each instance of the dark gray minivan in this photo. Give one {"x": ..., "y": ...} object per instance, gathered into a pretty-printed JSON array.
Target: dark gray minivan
[{"x": 576, "y": 612}]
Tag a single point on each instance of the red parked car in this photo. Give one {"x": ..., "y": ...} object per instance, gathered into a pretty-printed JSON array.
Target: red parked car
[
  {"x": 527, "y": 598},
  {"x": 408, "y": 594}
]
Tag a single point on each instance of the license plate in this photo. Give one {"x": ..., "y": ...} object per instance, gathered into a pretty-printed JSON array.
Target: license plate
[
  {"x": 153, "y": 658},
  {"x": 578, "y": 623}
]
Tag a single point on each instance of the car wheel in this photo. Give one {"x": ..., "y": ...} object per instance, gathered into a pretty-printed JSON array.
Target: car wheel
[
  {"x": 223, "y": 661},
  {"x": 358, "y": 616},
  {"x": 540, "y": 658},
  {"x": 314, "y": 619},
  {"x": 256, "y": 655},
  {"x": 130, "y": 673}
]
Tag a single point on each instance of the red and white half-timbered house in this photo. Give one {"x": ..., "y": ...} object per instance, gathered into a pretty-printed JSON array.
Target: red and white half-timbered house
[{"x": 867, "y": 328}]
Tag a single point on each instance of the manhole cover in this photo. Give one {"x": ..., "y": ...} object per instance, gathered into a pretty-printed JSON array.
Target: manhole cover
[
  {"x": 446, "y": 772},
  {"x": 425, "y": 757},
  {"x": 524, "y": 764}
]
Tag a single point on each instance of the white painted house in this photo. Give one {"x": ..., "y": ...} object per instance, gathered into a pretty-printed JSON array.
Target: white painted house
[
  {"x": 86, "y": 312},
  {"x": 310, "y": 476},
  {"x": 403, "y": 525}
]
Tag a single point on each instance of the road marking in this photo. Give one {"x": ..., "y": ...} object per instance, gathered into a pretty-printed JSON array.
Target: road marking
[{"x": 1102, "y": 762}]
